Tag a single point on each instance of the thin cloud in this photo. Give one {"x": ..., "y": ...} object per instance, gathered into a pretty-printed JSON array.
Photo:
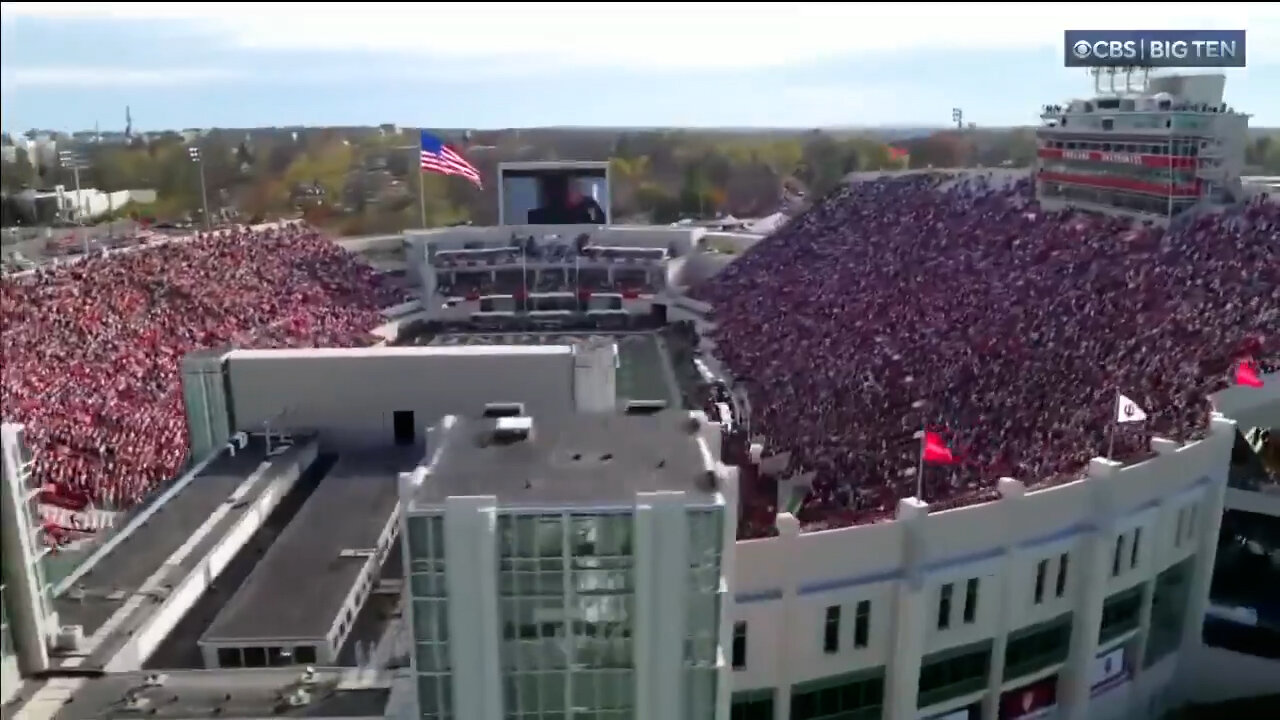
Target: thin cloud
[
  {"x": 92, "y": 77},
  {"x": 658, "y": 36}
]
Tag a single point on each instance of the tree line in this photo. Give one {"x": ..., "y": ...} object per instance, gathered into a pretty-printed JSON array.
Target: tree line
[{"x": 360, "y": 180}]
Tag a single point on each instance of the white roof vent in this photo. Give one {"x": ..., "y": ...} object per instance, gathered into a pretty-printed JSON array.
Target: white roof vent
[
  {"x": 513, "y": 429},
  {"x": 503, "y": 409},
  {"x": 645, "y": 407}
]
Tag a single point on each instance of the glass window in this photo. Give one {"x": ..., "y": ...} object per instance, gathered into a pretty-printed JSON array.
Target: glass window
[
  {"x": 970, "y": 600},
  {"x": 862, "y": 624},
  {"x": 1115, "y": 560},
  {"x": 255, "y": 657},
  {"x": 1133, "y": 552},
  {"x": 276, "y": 657},
  {"x": 1042, "y": 569},
  {"x": 1060, "y": 587},
  {"x": 831, "y": 630},
  {"x": 304, "y": 654},
  {"x": 429, "y": 695},
  {"x": 432, "y": 657},
  {"x": 229, "y": 657},
  {"x": 944, "y": 606},
  {"x": 704, "y": 536},
  {"x": 430, "y": 620},
  {"x": 419, "y": 537},
  {"x": 427, "y": 585},
  {"x": 700, "y": 692},
  {"x": 739, "y": 645}
]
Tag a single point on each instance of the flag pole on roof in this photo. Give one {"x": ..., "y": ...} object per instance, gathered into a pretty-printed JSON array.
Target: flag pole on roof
[
  {"x": 933, "y": 449},
  {"x": 1127, "y": 411},
  {"x": 1248, "y": 374}
]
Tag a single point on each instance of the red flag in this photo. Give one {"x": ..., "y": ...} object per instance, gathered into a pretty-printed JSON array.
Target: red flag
[
  {"x": 935, "y": 449},
  {"x": 1247, "y": 374}
]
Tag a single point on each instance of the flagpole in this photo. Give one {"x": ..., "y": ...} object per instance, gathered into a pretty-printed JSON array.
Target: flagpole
[
  {"x": 422, "y": 196},
  {"x": 920, "y": 468},
  {"x": 1115, "y": 420}
]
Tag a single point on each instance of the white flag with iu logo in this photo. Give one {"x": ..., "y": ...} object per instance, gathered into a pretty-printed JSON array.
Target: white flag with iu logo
[{"x": 1128, "y": 411}]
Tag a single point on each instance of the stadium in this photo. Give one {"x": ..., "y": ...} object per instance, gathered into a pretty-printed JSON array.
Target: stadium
[{"x": 959, "y": 444}]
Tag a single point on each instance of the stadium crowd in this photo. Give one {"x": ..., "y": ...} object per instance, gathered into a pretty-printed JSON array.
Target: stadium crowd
[
  {"x": 92, "y": 349},
  {"x": 962, "y": 307}
]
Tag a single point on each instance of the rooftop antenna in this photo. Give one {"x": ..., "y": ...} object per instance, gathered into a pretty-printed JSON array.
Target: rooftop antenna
[{"x": 128, "y": 122}]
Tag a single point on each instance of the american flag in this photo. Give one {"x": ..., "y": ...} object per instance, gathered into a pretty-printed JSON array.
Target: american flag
[{"x": 444, "y": 160}]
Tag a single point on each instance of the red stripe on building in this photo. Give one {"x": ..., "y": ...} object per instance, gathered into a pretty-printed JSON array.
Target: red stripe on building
[
  {"x": 1151, "y": 161},
  {"x": 1119, "y": 183}
]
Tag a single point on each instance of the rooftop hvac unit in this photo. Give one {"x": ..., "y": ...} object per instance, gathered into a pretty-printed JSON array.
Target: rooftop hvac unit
[
  {"x": 645, "y": 407},
  {"x": 513, "y": 429},
  {"x": 70, "y": 638}
]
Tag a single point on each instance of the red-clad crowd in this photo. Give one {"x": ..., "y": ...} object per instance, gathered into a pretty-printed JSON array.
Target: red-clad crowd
[
  {"x": 92, "y": 349},
  {"x": 907, "y": 303}
]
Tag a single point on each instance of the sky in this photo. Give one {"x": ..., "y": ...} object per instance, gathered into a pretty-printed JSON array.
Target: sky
[{"x": 69, "y": 66}]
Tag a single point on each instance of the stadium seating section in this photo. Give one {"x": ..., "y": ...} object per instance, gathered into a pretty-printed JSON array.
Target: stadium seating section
[
  {"x": 92, "y": 349},
  {"x": 906, "y": 303}
]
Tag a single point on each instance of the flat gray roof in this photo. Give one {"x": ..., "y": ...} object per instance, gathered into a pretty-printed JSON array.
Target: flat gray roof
[
  {"x": 119, "y": 574},
  {"x": 574, "y": 460},
  {"x": 297, "y": 589},
  {"x": 223, "y": 694}
]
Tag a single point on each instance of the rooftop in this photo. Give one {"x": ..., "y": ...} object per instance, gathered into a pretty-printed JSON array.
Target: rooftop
[
  {"x": 162, "y": 550},
  {"x": 580, "y": 459},
  {"x": 347, "y": 511},
  {"x": 226, "y": 694}
]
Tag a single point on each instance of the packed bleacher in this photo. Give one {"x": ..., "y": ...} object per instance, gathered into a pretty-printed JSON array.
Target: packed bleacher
[
  {"x": 92, "y": 349},
  {"x": 917, "y": 302}
]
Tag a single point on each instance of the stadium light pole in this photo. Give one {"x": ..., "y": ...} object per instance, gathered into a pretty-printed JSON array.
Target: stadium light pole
[
  {"x": 74, "y": 162},
  {"x": 957, "y": 117},
  {"x": 193, "y": 152}
]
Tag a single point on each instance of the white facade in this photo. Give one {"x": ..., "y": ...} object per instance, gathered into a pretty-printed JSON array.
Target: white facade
[
  {"x": 612, "y": 611},
  {"x": 86, "y": 203},
  {"x": 1119, "y": 530}
]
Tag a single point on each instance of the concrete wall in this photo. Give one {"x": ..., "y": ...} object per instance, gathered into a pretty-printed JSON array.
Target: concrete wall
[
  {"x": 280, "y": 474},
  {"x": 348, "y": 396},
  {"x": 783, "y": 585}
]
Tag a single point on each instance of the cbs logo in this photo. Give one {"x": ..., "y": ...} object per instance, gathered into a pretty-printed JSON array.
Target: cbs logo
[{"x": 1105, "y": 49}]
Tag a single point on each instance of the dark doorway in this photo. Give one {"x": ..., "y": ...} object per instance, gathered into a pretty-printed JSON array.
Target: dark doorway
[{"x": 402, "y": 426}]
